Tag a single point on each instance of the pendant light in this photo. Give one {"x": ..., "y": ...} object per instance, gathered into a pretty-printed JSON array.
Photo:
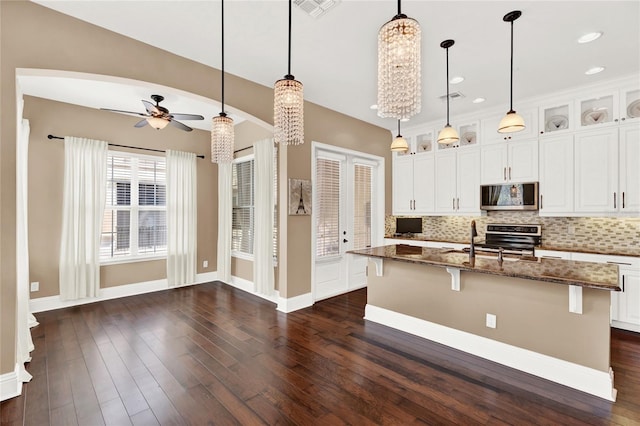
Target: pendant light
[
  {"x": 511, "y": 122},
  {"x": 288, "y": 105},
  {"x": 399, "y": 74},
  {"x": 448, "y": 134},
  {"x": 399, "y": 144},
  {"x": 222, "y": 132}
]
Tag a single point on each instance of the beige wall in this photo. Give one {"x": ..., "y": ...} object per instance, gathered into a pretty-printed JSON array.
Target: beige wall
[
  {"x": 46, "y": 178},
  {"x": 32, "y": 36},
  {"x": 530, "y": 314}
]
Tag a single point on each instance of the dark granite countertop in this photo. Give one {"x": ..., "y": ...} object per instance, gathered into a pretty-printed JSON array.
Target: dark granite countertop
[{"x": 569, "y": 272}]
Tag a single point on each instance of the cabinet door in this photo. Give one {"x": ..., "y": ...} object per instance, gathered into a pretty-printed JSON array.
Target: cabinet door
[
  {"x": 423, "y": 183},
  {"x": 596, "y": 171},
  {"x": 445, "y": 181},
  {"x": 468, "y": 176},
  {"x": 630, "y": 168},
  {"x": 403, "y": 185},
  {"x": 628, "y": 303},
  {"x": 493, "y": 164},
  {"x": 523, "y": 161},
  {"x": 556, "y": 175}
]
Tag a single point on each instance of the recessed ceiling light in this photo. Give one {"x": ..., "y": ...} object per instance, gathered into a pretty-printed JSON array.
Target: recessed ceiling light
[
  {"x": 589, "y": 37},
  {"x": 478, "y": 100},
  {"x": 456, "y": 79},
  {"x": 374, "y": 106},
  {"x": 594, "y": 70}
]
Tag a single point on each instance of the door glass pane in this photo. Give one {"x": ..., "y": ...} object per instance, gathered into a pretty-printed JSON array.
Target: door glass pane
[
  {"x": 328, "y": 198},
  {"x": 362, "y": 207}
]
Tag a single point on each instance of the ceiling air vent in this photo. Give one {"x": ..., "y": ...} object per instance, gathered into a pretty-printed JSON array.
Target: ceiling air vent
[
  {"x": 315, "y": 8},
  {"x": 452, "y": 96}
]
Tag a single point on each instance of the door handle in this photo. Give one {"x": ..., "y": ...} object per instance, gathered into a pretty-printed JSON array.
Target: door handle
[{"x": 345, "y": 240}]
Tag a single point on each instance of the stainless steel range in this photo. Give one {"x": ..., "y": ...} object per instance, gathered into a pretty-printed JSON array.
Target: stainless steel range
[{"x": 513, "y": 239}]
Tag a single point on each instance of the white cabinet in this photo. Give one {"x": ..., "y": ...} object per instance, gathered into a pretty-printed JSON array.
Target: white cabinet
[
  {"x": 513, "y": 161},
  {"x": 556, "y": 119},
  {"x": 629, "y": 144},
  {"x": 489, "y": 128},
  {"x": 457, "y": 174},
  {"x": 556, "y": 175},
  {"x": 413, "y": 185},
  {"x": 403, "y": 185},
  {"x": 596, "y": 171}
]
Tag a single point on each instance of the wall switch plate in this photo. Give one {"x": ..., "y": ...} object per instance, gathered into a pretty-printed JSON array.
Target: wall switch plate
[
  {"x": 35, "y": 286},
  {"x": 491, "y": 321},
  {"x": 205, "y": 264}
]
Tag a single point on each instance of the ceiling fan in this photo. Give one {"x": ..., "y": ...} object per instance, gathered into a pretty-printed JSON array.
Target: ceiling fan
[{"x": 158, "y": 116}]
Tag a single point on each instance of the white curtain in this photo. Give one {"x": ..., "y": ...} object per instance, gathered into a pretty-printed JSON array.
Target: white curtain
[
  {"x": 85, "y": 181},
  {"x": 263, "y": 280},
  {"x": 24, "y": 319},
  {"x": 182, "y": 215},
  {"x": 225, "y": 210}
]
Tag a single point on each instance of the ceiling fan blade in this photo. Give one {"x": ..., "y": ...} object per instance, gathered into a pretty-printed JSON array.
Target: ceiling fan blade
[
  {"x": 180, "y": 126},
  {"x": 137, "y": 114},
  {"x": 151, "y": 108},
  {"x": 187, "y": 116},
  {"x": 141, "y": 123}
]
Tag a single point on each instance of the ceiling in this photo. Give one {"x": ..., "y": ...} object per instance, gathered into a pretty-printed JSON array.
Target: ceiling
[{"x": 335, "y": 54}]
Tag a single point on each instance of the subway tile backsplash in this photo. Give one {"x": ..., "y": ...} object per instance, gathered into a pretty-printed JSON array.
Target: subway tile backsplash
[{"x": 590, "y": 234}]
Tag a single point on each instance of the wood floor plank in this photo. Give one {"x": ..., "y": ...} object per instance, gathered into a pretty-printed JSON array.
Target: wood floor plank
[{"x": 212, "y": 354}]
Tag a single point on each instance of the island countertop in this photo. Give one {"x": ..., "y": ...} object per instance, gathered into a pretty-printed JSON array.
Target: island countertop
[{"x": 584, "y": 274}]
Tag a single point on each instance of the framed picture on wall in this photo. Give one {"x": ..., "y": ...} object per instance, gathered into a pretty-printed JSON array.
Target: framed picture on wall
[{"x": 299, "y": 197}]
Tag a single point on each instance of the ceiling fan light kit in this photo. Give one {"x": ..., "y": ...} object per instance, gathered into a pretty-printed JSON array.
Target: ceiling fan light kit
[
  {"x": 288, "y": 105},
  {"x": 512, "y": 122},
  {"x": 399, "y": 69},
  {"x": 448, "y": 134},
  {"x": 157, "y": 122},
  {"x": 222, "y": 131}
]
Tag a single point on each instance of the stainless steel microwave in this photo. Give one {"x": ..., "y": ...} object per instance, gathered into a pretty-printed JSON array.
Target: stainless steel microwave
[{"x": 509, "y": 196}]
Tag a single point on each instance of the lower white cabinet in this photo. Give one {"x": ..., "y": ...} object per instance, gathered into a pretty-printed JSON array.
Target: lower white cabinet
[{"x": 556, "y": 175}]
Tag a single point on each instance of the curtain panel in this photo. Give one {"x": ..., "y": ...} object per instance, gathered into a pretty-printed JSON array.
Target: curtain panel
[
  {"x": 263, "y": 279},
  {"x": 182, "y": 215},
  {"x": 85, "y": 174},
  {"x": 225, "y": 211}
]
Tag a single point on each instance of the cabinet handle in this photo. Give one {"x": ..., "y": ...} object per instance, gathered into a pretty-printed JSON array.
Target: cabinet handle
[
  {"x": 540, "y": 201},
  {"x": 614, "y": 200},
  {"x": 623, "y": 199},
  {"x": 618, "y": 263},
  {"x": 453, "y": 203},
  {"x": 458, "y": 203},
  {"x": 414, "y": 204},
  {"x": 509, "y": 172},
  {"x": 623, "y": 283},
  {"x": 504, "y": 173}
]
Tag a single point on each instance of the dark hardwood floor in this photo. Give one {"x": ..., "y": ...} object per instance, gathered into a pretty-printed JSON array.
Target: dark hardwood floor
[{"x": 211, "y": 354}]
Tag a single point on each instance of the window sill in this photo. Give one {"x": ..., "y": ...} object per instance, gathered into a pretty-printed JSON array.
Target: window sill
[
  {"x": 132, "y": 260},
  {"x": 243, "y": 256}
]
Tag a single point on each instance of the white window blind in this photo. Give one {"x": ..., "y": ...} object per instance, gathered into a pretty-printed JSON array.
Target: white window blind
[
  {"x": 134, "y": 223},
  {"x": 362, "y": 207},
  {"x": 328, "y": 207},
  {"x": 242, "y": 216}
]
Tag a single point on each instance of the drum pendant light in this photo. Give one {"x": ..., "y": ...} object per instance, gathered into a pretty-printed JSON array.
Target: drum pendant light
[
  {"x": 399, "y": 73},
  {"x": 222, "y": 132},
  {"x": 288, "y": 106},
  {"x": 448, "y": 134},
  {"x": 511, "y": 122},
  {"x": 399, "y": 144}
]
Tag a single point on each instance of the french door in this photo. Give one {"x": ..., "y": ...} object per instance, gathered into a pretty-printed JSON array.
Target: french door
[{"x": 348, "y": 214}]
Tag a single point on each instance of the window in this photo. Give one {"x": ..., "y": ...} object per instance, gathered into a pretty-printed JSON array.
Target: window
[
  {"x": 242, "y": 182},
  {"x": 134, "y": 224}
]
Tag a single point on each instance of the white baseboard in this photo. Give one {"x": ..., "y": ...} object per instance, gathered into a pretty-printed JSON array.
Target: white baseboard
[
  {"x": 10, "y": 386},
  {"x": 247, "y": 286},
  {"x": 585, "y": 379},
  {"x": 42, "y": 304},
  {"x": 294, "y": 303},
  {"x": 625, "y": 326}
]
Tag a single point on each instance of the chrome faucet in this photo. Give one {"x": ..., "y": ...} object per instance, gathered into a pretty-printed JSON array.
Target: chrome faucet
[{"x": 472, "y": 248}]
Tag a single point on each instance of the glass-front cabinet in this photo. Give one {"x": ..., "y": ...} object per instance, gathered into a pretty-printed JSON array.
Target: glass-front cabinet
[
  {"x": 597, "y": 111},
  {"x": 630, "y": 104},
  {"x": 555, "y": 119}
]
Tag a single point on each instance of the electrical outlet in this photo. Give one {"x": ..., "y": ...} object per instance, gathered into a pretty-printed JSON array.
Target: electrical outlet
[
  {"x": 205, "y": 264},
  {"x": 35, "y": 286},
  {"x": 491, "y": 321}
]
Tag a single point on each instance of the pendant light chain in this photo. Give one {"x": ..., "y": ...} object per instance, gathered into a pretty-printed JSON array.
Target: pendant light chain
[
  {"x": 447, "y": 50},
  {"x": 222, "y": 51},
  {"x": 511, "y": 76},
  {"x": 289, "y": 53}
]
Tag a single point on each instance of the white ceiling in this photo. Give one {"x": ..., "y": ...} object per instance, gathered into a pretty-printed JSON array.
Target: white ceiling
[{"x": 335, "y": 55}]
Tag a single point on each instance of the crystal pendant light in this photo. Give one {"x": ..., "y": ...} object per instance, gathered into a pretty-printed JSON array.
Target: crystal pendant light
[
  {"x": 511, "y": 122},
  {"x": 448, "y": 134},
  {"x": 222, "y": 132},
  {"x": 399, "y": 74},
  {"x": 288, "y": 106},
  {"x": 399, "y": 144}
]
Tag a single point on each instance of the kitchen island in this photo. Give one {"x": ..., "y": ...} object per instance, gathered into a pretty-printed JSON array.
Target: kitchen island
[{"x": 547, "y": 317}]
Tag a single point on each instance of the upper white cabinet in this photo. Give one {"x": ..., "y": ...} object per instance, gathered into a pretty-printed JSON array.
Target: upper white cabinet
[
  {"x": 630, "y": 104},
  {"x": 457, "y": 173},
  {"x": 412, "y": 180},
  {"x": 490, "y": 133},
  {"x": 556, "y": 175},
  {"x": 599, "y": 110},
  {"x": 629, "y": 147},
  {"x": 556, "y": 118},
  {"x": 512, "y": 161}
]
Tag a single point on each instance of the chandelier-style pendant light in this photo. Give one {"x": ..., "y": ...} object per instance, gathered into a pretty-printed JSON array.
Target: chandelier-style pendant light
[
  {"x": 222, "y": 132},
  {"x": 399, "y": 144},
  {"x": 448, "y": 134},
  {"x": 511, "y": 122},
  {"x": 288, "y": 106},
  {"x": 399, "y": 73}
]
